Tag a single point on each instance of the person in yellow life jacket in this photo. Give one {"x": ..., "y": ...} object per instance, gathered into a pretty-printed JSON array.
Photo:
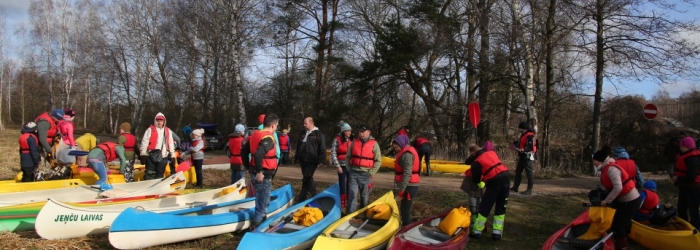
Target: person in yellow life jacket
[
  {"x": 650, "y": 201},
  {"x": 263, "y": 165},
  {"x": 87, "y": 142},
  {"x": 47, "y": 129},
  {"x": 29, "y": 159},
  {"x": 235, "y": 143},
  {"x": 364, "y": 159},
  {"x": 526, "y": 148},
  {"x": 197, "y": 151},
  {"x": 622, "y": 196},
  {"x": 488, "y": 171},
  {"x": 99, "y": 156},
  {"x": 686, "y": 175},
  {"x": 339, "y": 150},
  {"x": 406, "y": 176}
]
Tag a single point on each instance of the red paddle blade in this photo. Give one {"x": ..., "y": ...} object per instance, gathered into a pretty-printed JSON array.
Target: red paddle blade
[{"x": 183, "y": 167}]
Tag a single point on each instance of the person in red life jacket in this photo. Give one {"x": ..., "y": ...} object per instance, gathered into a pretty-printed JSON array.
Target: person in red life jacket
[
  {"x": 28, "y": 152},
  {"x": 488, "y": 171},
  {"x": 311, "y": 154},
  {"x": 404, "y": 130},
  {"x": 364, "y": 158},
  {"x": 650, "y": 201},
  {"x": 686, "y": 175},
  {"x": 473, "y": 190},
  {"x": 235, "y": 143},
  {"x": 156, "y": 138},
  {"x": 263, "y": 165},
  {"x": 99, "y": 156},
  {"x": 406, "y": 176},
  {"x": 285, "y": 146},
  {"x": 47, "y": 129},
  {"x": 425, "y": 149},
  {"x": 526, "y": 152},
  {"x": 197, "y": 151},
  {"x": 622, "y": 196},
  {"x": 128, "y": 141},
  {"x": 622, "y": 158},
  {"x": 67, "y": 143},
  {"x": 339, "y": 149}
]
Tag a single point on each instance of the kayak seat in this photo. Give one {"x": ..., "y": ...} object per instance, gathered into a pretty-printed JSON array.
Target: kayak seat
[
  {"x": 345, "y": 234},
  {"x": 421, "y": 240},
  {"x": 434, "y": 233},
  {"x": 290, "y": 227}
]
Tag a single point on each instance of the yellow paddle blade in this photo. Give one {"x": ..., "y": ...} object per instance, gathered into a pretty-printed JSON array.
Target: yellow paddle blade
[{"x": 601, "y": 219}]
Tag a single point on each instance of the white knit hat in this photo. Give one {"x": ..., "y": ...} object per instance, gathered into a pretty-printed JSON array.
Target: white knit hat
[{"x": 198, "y": 132}]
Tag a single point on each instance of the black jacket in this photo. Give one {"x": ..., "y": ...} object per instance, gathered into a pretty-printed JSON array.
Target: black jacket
[
  {"x": 498, "y": 180},
  {"x": 693, "y": 165},
  {"x": 313, "y": 151}
]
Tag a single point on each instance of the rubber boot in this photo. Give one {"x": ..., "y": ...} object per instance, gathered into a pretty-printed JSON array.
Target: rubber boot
[
  {"x": 343, "y": 200},
  {"x": 427, "y": 167}
]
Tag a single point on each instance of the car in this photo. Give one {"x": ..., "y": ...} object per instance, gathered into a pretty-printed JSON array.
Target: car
[{"x": 212, "y": 136}]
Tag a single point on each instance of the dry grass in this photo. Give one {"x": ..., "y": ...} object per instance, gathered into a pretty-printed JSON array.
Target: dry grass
[{"x": 9, "y": 160}]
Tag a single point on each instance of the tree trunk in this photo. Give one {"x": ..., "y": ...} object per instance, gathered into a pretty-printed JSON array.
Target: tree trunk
[
  {"x": 549, "y": 82},
  {"x": 484, "y": 7},
  {"x": 529, "y": 88},
  {"x": 599, "y": 71}
]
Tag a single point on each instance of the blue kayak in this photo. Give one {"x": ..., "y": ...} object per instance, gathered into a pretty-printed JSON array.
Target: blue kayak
[
  {"x": 280, "y": 231},
  {"x": 136, "y": 228}
]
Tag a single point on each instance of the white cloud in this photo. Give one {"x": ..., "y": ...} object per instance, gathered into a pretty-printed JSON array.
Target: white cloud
[
  {"x": 678, "y": 88},
  {"x": 15, "y": 10}
]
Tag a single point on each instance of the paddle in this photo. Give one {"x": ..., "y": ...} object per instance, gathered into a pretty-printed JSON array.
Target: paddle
[
  {"x": 363, "y": 225},
  {"x": 601, "y": 241},
  {"x": 281, "y": 224}
]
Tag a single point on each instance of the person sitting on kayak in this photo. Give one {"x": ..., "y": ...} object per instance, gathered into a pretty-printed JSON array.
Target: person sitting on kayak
[
  {"x": 650, "y": 201},
  {"x": 100, "y": 155},
  {"x": 406, "y": 176},
  {"x": 29, "y": 152}
]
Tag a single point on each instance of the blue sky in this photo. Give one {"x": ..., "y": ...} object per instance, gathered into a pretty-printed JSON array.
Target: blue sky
[{"x": 16, "y": 14}]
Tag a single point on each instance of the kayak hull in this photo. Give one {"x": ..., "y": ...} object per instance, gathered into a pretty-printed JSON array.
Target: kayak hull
[
  {"x": 560, "y": 240},
  {"x": 677, "y": 234},
  {"x": 415, "y": 237}
]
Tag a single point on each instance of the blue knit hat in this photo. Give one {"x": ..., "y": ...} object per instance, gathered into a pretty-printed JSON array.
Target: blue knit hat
[
  {"x": 58, "y": 114},
  {"x": 239, "y": 128},
  {"x": 344, "y": 126},
  {"x": 651, "y": 185},
  {"x": 620, "y": 152}
]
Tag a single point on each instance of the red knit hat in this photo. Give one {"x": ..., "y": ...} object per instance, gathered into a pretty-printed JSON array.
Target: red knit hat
[{"x": 261, "y": 118}]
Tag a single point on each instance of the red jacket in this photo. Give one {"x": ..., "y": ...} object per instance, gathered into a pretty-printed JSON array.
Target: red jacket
[
  {"x": 53, "y": 130},
  {"x": 491, "y": 165},
  {"x": 270, "y": 159}
]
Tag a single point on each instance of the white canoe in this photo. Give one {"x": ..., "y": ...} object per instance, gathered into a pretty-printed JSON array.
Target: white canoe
[
  {"x": 97, "y": 220},
  {"x": 79, "y": 193}
]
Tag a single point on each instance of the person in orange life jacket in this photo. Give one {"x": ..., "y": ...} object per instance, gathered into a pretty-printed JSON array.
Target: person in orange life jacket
[
  {"x": 47, "y": 129},
  {"x": 157, "y": 137},
  {"x": 406, "y": 176},
  {"x": 278, "y": 153},
  {"x": 474, "y": 191},
  {"x": 650, "y": 201},
  {"x": 100, "y": 155},
  {"x": 404, "y": 130},
  {"x": 285, "y": 146},
  {"x": 128, "y": 141},
  {"x": 425, "y": 149},
  {"x": 28, "y": 152},
  {"x": 262, "y": 167},
  {"x": 622, "y": 158},
  {"x": 687, "y": 178},
  {"x": 526, "y": 148},
  {"x": 197, "y": 151},
  {"x": 622, "y": 196},
  {"x": 311, "y": 154},
  {"x": 67, "y": 143},
  {"x": 364, "y": 158},
  {"x": 488, "y": 171},
  {"x": 339, "y": 149},
  {"x": 235, "y": 143}
]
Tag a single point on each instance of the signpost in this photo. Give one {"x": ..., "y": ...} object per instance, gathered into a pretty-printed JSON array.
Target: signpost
[{"x": 650, "y": 111}]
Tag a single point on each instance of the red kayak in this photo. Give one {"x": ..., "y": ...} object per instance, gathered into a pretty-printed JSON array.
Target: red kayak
[
  {"x": 565, "y": 238},
  {"x": 128, "y": 199},
  {"x": 423, "y": 235}
]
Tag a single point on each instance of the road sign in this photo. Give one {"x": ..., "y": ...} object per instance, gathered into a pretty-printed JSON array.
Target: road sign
[
  {"x": 474, "y": 113},
  {"x": 650, "y": 111}
]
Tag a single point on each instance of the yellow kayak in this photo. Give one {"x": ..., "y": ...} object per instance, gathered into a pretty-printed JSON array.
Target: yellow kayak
[
  {"x": 375, "y": 234},
  {"x": 677, "y": 234},
  {"x": 444, "y": 166}
]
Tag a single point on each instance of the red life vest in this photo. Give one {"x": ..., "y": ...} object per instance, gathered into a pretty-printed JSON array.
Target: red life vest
[
  {"x": 270, "y": 159},
  {"x": 650, "y": 202},
  {"x": 421, "y": 140},
  {"x": 196, "y": 142},
  {"x": 130, "y": 142},
  {"x": 362, "y": 155},
  {"x": 628, "y": 166},
  {"x": 523, "y": 141},
  {"x": 53, "y": 129},
  {"x": 284, "y": 142},
  {"x": 415, "y": 169},
  {"x": 109, "y": 149},
  {"x": 24, "y": 145},
  {"x": 681, "y": 169},
  {"x": 342, "y": 150},
  {"x": 154, "y": 138},
  {"x": 234, "y": 149},
  {"x": 627, "y": 183},
  {"x": 491, "y": 165}
]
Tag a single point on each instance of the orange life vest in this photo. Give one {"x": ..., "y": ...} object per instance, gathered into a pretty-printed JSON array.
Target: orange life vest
[
  {"x": 491, "y": 165},
  {"x": 270, "y": 159},
  {"x": 154, "y": 138},
  {"x": 421, "y": 141},
  {"x": 234, "y": 149},
  {"x": 53, "y": 129},
  {"x": 130, "y": 142},
  {"x": 284, "y": 142},
  {"x": 415, "y": 169},
  {"x": 650, "y": 202},
  {"x": 628, "y": 166},
  {"x": 362, "y": 155},
  {"x": 681, "y": 169},
  {"x": 109, "y": 149},
  {"x": 196, "y": 142},
  {"x": 342, "y": 150},
  {"x": 523, "y": 141},
  {"x": 627, "y": 183},
  {"x": 24, "y": 145}
]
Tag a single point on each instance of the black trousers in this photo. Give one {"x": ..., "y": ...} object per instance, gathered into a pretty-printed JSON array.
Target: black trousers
[
  {"x": 406, "y": 203},
  {"x": 622, "y": 221},
  {"x": 307, "y": 182},
  {"x": 523, "y": 164},
  {"x": 155, "y": 170},
  {"x": 198, "y": 172},
  {"x": 425, "y": 150},
  {"x": 497, "y": 195},
  {"x": 28, "y": 174},
  {"x": 688, "y": 205}
]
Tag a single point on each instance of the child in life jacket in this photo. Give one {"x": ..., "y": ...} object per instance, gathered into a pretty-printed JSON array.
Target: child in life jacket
[
  {"x": 28, "y": 152},
  {"x": 650, "y": 201}
]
